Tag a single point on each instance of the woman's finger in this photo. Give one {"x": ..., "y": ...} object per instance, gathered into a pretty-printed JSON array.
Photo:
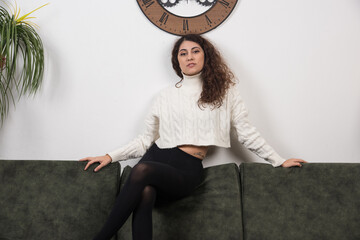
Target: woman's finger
[
  {"x": 293, "y": 162},
  {"x": 103, "y": 160},
  {"x": 85, "y": 159},
  {"x": 88, "y": 164},
  {"x": 99, "y": 167}
]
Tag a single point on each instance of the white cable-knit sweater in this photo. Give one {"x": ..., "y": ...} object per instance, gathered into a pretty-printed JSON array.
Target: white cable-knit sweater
[{"x": 176, "y": 119}]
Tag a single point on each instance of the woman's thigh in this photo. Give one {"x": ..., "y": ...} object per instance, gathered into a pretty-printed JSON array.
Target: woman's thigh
[{"x": 168, "y": 180}]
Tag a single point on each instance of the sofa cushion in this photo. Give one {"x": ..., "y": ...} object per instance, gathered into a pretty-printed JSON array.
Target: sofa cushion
[
  {"x": 211, "y": 212},
  {"x": 316, "y": 201},
  {"x": 55, "y": 200}
]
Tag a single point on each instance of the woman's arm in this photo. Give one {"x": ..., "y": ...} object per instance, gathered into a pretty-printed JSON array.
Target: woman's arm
[
  {"x": 250, "y": 137},
  {"x": 135, "y": 148},
  {"x": 138, "y": 146}
]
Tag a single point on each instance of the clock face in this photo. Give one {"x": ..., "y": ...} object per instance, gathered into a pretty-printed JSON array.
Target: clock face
[{"x": 182, "y": 17}]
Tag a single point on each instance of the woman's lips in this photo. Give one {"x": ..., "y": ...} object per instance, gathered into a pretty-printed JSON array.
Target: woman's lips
[{"x": 191, "y": 65}]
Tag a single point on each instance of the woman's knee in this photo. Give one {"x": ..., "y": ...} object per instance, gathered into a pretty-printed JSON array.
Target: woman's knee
[
  {"x": 149, "y": 191},
  {"x": 140, "y": 172},
  {"x": 149, "y": 194}
]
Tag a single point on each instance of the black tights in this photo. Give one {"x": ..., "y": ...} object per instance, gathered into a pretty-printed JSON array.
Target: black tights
[{"x": 168, "y": 173}]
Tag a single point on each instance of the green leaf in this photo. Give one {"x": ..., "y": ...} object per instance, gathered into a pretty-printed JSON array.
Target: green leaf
[{"x": 22, "y": 48}]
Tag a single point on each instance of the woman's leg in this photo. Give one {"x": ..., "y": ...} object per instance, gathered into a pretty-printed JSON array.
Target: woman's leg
[
  {"x": 142, "y": 215},
  {"x": 163, "y": 177}
]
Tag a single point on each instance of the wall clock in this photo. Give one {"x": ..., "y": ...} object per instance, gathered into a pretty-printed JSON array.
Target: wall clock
[{"x": 182, "y": 17}]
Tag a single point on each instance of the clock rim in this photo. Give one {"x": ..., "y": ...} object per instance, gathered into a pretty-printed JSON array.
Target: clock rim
[{"x": 178, "y": 34}]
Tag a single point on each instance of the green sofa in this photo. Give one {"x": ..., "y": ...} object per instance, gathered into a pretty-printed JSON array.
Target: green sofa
[
  {"x": 58, "y": 200},
  {"x": 53, "y": 200}
]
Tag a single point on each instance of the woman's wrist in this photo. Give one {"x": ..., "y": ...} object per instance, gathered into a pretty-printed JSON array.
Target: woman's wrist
[{"x": 108, "y": 157}]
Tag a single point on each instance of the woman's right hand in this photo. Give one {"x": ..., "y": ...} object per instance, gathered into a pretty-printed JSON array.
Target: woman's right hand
[{"x": 103, "y": 160}]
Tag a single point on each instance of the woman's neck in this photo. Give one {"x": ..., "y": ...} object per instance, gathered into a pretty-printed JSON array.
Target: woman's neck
[{"x": 193, "y": 82}]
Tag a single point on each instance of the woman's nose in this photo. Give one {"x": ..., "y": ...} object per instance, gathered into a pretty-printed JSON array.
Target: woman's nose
[{"x": 190, "y": 57}]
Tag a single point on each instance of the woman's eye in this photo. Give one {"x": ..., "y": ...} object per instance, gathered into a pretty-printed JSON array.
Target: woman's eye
[
  {"x": 196, "y": 51},
  {"x": 182, "y": 54}
]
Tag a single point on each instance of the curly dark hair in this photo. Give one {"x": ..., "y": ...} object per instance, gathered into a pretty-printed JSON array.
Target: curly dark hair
[{"x": 216, "y": 75}]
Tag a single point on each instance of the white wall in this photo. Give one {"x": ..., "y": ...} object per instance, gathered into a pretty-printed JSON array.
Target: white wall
[{"x": 297, "y": 62}]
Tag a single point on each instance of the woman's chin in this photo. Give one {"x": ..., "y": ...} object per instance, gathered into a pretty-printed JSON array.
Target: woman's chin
[{"x": 191, "y": 73}]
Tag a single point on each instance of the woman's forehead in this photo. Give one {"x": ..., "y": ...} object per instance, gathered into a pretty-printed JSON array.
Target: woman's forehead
[{"x": 188, "y": 45}]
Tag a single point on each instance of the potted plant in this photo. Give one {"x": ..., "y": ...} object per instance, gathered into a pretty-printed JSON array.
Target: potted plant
[{"x": 21, "y": 57}]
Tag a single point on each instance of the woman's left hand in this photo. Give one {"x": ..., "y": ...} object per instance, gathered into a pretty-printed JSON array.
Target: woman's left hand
[{"x": 293, "y": 162}]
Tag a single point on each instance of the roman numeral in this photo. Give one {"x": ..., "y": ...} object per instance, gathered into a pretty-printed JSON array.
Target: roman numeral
[
  {"x": 208, "y": 21},
  {"x": 224, "y": 3},
  {"x": 164, "y": 18},
  {"x": 185, "y": 25},
  {"x": 148, "y": 3}
]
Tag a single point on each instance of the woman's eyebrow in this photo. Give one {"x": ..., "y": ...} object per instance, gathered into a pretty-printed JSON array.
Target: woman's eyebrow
[{"x": 186, "y": 49}]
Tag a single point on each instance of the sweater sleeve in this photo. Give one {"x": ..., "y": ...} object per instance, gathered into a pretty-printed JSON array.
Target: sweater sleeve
[
  {"x": 138, "y": 146},
  {"x": 247, "y": 134}
]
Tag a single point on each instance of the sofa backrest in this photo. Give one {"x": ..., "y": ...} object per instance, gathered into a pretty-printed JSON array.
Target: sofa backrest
[
  {"x": 57, "y": 200},
  {"x": 211, "y": 212},
  {"x": 316, "y": 201}
]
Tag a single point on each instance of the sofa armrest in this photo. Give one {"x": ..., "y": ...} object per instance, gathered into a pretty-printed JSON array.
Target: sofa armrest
[
  {"x": 316, "y": 201},
  {"x": 54, "y": 199}
]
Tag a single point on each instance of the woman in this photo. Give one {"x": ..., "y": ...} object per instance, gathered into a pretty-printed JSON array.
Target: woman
[{"x": 184, "y": 121}]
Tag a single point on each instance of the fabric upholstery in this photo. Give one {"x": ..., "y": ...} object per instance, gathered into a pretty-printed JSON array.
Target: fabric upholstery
[
  {"x": 58, "y": 200},
  {"x": 211, "y": 212},
  {"x": 42, "y": 200},
  {"x": 317, "y": 201}
]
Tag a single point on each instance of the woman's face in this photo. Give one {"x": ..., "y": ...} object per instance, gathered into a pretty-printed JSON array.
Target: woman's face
[{"x": 191, "y": 58}]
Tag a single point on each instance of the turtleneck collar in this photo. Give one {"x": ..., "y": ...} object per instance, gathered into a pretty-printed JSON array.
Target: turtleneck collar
[{"x": 192, "y": 83}]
